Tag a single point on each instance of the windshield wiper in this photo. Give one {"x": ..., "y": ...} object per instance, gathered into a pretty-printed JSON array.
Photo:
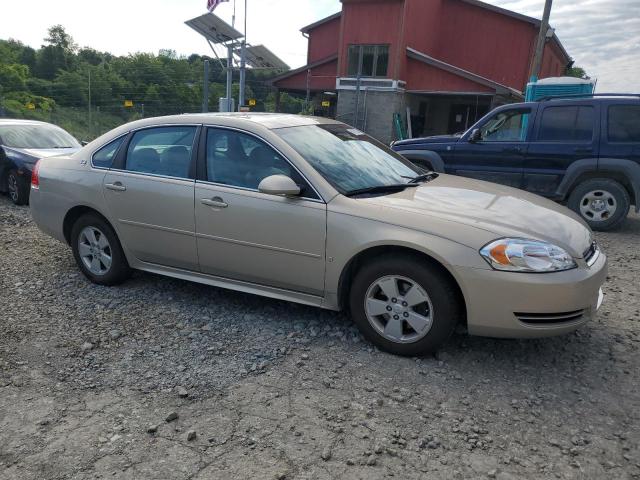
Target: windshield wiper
[
  {"x": 425, "y": 177},
  {"x": 396, "y": 187}
]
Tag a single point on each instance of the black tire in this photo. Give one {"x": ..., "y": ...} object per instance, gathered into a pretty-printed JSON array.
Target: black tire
[
  {"x": 17, "y": 188},
  {"x": 611, "y": 192},
  {"x": 119, "y": 269},
  {"x": 447, "y": 307}
]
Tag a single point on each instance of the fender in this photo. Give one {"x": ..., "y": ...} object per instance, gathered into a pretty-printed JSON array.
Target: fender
[
  {"x": 628, "y": 168},
  {"x": 432, "y": 157}
]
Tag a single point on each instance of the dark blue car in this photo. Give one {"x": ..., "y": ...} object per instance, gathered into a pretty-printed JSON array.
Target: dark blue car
[
  {"x": 583, "y": 151},
  {"x": 22, "y": 144}
]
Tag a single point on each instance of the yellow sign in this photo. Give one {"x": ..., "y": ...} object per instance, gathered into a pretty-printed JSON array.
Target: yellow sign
[
  {"x": 326, "y": 103},
  {"x": 252, "y": 102},
  {"x": 128, "y": 103},
  {"x": 31, "y": 106}
]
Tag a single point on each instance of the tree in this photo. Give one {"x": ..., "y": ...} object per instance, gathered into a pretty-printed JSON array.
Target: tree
[
  {"x": 13, "y": 77},
  {"x": 58, "y": 37},
  {"x": 89, "y": 55},
  {"x": 577, "y": 72},
  {"x": 49, "y": 60}
]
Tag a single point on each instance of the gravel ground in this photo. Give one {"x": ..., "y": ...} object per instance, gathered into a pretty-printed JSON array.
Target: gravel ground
[{"x": 164, "y": 379}]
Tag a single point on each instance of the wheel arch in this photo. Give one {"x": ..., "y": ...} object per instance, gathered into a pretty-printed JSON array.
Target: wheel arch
[
  {"x": 424, "y": 156},
  {"x": 625, "y": 172},
  {"x": 74, "y": 214},
  {"x": 368, "y": 254}
]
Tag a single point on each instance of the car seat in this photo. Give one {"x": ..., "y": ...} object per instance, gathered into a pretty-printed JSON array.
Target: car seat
[
  {"x": 144, "y": 160},
  {"x": 176, "y": 161}
]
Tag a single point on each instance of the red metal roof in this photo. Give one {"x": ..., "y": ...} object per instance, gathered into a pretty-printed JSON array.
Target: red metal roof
[
  {"x": 499, "y": 88},
  {"x": 311, "y": 66},
  {"x": 320, "y": 22}
]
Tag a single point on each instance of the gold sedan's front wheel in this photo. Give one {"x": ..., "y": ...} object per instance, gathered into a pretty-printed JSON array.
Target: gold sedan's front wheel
[{"x": 404, "y": 304}]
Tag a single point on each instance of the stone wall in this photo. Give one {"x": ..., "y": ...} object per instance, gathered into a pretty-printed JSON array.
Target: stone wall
[{"x": 375, "y": 111}]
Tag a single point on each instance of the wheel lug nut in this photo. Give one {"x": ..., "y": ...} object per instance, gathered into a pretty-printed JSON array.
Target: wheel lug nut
[
  {"x": 406, "y": 314},
  {"x": 389, "y": 309},
  {"x": 396, "y": 317},
  {"x": 394, "y": 300},
  {"x": 405, "y": 304}
]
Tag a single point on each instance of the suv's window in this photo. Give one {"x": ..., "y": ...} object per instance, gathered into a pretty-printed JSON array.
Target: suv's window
[
  {"x": 103, "y": 158},
  {"x": 561, "y": 124},
  {"x": 624, "y": 123},
  {"x": 241, "y": 160},
  {"x": 162, "y": 151},
  {"x": 509, "y": 126}
]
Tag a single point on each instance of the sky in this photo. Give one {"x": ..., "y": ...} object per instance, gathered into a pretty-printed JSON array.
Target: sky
[{"x": 603, "y": 36}]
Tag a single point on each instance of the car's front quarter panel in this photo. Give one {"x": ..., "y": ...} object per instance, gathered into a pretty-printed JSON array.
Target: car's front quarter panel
[
  {"x": 353, "y": 229},
  {"x": 65, "y": 183},
  {"x": 492, "y": 298}
]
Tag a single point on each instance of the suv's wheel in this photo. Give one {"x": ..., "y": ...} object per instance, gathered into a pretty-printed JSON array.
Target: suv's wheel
[
  {"x": 403, "y": 306},
  {"x": 17, "y": 188},
  {"x": 98, "y": 252},
  {"x": 602, "y": 202}
]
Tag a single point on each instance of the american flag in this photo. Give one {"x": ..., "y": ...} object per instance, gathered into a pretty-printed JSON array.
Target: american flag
[{"x": 212, "y": 4}]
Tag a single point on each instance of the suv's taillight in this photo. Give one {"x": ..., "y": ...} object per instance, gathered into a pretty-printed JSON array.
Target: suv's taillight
[{"x": 35, "y": 175}]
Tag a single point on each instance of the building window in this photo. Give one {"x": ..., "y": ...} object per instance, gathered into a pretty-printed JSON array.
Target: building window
[{"x": 368, "y": 60}]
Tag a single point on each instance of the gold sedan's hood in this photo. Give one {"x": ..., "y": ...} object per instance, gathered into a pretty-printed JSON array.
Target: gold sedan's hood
[{"x": 498, "y": 210}]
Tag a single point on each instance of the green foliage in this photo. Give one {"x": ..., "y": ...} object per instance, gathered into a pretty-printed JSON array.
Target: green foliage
[
  {"x": 577, "y": 72},
  {"x": 59, "y": 38},
  {"x": 13, "y": 77},
  {"x": 65, "y": 83}
]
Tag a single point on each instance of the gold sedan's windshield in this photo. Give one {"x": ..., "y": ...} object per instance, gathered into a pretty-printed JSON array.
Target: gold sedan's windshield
[{"x": 347, "y": 158}]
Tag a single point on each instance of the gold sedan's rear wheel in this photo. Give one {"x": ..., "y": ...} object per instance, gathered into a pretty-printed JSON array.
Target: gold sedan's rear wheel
[{"x": 97, "y": 251}]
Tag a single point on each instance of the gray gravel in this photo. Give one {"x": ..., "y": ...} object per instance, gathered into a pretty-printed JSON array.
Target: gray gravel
[{"x": 165, "y": 379}]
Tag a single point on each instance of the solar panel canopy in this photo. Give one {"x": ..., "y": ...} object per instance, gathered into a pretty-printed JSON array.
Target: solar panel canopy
[
  {"x": 214, "y": 29},
  {"x": 260, "y": 56}
]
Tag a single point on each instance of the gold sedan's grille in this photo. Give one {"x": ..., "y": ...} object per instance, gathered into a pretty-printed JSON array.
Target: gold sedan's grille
[{"x": 545, "y": 318}]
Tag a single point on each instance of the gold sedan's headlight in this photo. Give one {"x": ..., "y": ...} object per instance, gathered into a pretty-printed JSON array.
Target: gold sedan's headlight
[{"x": 522, "y": 255}]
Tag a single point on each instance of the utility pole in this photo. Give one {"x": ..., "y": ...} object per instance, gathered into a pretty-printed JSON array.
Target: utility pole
[
  {"x": 205, "y": 88},
  {"x": 243, "y": 61},
  {"x": 542, "y": 38},
  {"x": 229, "y": 76},
  {"x": 307, "y": 100},
  {"x": 90, "y": 121}
]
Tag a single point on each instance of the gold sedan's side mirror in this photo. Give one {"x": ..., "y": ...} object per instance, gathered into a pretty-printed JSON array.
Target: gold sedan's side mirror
[{"x": 279, "y": 185}]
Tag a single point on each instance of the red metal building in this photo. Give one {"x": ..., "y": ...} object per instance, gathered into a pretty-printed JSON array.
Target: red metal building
[{"x": 444, "y": 63}]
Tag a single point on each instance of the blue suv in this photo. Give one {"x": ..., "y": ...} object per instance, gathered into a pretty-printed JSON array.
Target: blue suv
[{"x": 583, "y": 151}]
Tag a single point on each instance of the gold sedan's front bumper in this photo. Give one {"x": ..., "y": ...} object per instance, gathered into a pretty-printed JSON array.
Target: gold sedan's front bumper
[{"x": 520, "y": 305}]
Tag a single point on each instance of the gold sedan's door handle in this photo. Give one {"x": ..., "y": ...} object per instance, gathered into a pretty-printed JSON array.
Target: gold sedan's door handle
[
  {"x": 215, "y": 202},
  {"x": 117, "y": 187}
]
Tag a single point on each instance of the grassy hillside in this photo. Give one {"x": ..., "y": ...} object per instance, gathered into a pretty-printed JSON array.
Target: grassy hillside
[{"x": 60, "y": 82}]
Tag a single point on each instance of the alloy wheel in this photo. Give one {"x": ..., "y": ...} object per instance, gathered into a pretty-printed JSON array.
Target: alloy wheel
[
  {"x": 399, "y": 309},
  {"x": 598, "y": 206},
  {"x": 12, "y": 187},
  {"x": 95, "y": 250}
]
